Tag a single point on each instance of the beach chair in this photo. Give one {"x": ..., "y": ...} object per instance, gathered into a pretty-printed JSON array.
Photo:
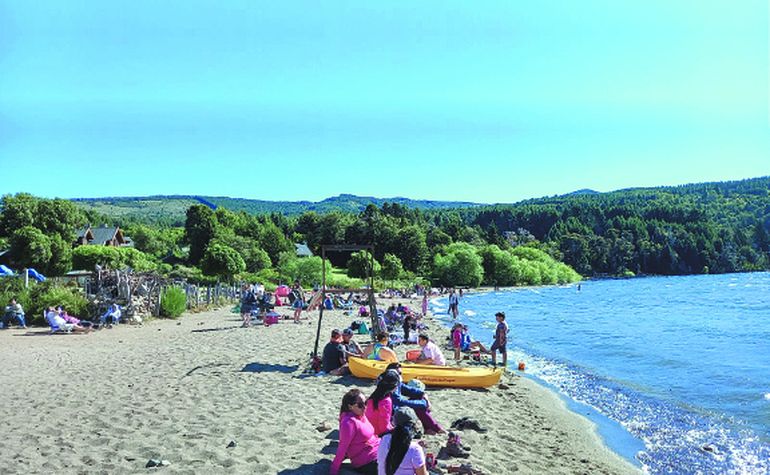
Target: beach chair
[{"x": 56, "y": 328}]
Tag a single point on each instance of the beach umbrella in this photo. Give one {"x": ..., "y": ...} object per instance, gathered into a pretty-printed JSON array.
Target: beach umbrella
[
  {"x": 36, "y": 275},
  {"x": 282, "y": 290}
]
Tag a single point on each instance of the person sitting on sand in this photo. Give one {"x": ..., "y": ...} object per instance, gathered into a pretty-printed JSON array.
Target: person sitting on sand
[
  {"x": 334, "y": 360},
  {"x": 501, "y": 340},
  {"x": 70, "y": 319},
  {"x": 56, "y": 321},
  {"x": 469, "y": 344},
  {"x": 398, "y": 453},
  {"x": 431, "y": 354},
  {"x": 351, "y": 347},
  {"x": 14, "y": 310},
  {"x": 358, "y": 441},
  {"x": 112, "y": 313},
  {"x": 409, "y": 396},
  {"x": 379, "y": 350},
  {"x": 379, "y": 406}
]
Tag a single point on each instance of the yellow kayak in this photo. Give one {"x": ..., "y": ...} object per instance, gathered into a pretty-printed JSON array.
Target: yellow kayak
[{"x": 449, "y": 376}]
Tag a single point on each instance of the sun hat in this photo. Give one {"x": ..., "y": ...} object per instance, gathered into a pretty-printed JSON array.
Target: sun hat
[{"x": 404, "y": 416}]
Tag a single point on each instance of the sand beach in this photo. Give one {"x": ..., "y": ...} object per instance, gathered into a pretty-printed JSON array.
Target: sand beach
[{"x": 208, "y": 396}]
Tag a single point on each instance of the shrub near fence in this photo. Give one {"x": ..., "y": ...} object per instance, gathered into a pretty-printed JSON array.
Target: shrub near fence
[{"x": 173, "y": 302}]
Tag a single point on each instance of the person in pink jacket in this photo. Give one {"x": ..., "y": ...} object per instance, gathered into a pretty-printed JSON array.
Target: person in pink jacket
[
  {"x": 379, "y": 406},
  {"x": 358, "y": 441}
]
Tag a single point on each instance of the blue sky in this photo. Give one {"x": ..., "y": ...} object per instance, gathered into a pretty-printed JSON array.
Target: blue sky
[{"x": 447, "y": 100}]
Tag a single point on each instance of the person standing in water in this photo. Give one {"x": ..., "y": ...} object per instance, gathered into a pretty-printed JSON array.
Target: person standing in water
[
  {"x": 454, "y": 303},
  {"x": 501, "y": 340}
]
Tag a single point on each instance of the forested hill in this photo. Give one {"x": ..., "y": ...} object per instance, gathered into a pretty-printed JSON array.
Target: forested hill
[
  {"x": 709, "y": 227},
  {"x": 171, "y": 209}
]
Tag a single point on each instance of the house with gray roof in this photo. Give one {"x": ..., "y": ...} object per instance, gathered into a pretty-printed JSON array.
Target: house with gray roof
[
  {"x": 101, "y": 236},
  {"x": 302, "y": 250}
]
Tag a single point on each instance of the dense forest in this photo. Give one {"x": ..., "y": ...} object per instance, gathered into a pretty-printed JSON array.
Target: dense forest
[{"x": 701, "y": 228}]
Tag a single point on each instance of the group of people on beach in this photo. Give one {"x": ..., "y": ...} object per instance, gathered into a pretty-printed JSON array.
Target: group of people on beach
[
  {"x": 378, "y": 434},
  {"x": 462, "y": 342},
  {"x": 59, "y": 319}
]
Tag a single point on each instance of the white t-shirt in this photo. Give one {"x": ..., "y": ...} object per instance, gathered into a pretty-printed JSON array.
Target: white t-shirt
[
  {"x": 413, "y": 459},
  {"x": 430, "y": 350}
]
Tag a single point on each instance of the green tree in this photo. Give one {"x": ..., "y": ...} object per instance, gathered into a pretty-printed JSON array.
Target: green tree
[
  {"x": 391, "y": 267},
  {"x": 61, "y": 256},
  {"x": 305, "y": 269},
  {"x": 222, "y": 261},
  {"x": 412, "y": 249},
  {"x": 31, "y": 248},
  {"x": 200, "y": 228},
  {"x": 18, "y": 211},
  {"x": 273, "y": 241},
  {"x": 359, "y": 265},
  {"x": 60, "y": 217},
  {"x": 458, "y": 265}
]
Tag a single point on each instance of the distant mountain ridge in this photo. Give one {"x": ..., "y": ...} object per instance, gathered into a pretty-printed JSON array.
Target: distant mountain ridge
[{"x": 172, "y": 208}]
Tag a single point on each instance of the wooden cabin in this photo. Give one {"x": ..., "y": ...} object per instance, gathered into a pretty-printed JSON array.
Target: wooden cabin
[{"x": 101, "y": 236}]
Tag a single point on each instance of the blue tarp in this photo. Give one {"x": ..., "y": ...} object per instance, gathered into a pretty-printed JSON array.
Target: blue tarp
[
  {"x": 36, "y": 275},
  {"x": 4, "y": 271}
]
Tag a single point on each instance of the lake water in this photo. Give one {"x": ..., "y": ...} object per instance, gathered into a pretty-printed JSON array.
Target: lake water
[{"x": 681, "y": 363}]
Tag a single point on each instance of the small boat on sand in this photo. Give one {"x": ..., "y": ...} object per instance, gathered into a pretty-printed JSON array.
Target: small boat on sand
[{"x": 430, "y": 375}]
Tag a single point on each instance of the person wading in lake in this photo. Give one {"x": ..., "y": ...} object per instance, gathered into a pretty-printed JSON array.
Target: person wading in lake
[
  {"x": 501, "y": 340},
  {"x": 454, "y": 303}
]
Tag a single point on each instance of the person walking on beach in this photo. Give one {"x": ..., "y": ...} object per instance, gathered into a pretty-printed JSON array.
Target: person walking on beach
[
  {"x": 398, "y": 454},
  {"x": 299, "y": 301},
  {"x": 454, "y": 303},
  {"x": 425, "y": 303},
  {"x": 358, "y": 441},
  {"x": 501, "y": 340},
  {"x": 248, "y": 303}
]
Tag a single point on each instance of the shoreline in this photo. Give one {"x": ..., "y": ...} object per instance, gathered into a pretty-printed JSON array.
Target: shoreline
[
  {"x": 588, "y": 414},
  {"x": 182, "y": 390}
]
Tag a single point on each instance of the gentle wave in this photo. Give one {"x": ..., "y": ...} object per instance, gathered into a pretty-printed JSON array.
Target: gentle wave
[{"x": 619, "y": 347}]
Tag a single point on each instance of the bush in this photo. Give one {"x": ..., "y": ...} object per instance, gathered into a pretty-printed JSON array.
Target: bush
[
  {"x": 86, "y": 257},
  {"x": 337, "y": 278},
  {"x": 173, "y": 302},
  {"x": 38, "y": 297}
]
